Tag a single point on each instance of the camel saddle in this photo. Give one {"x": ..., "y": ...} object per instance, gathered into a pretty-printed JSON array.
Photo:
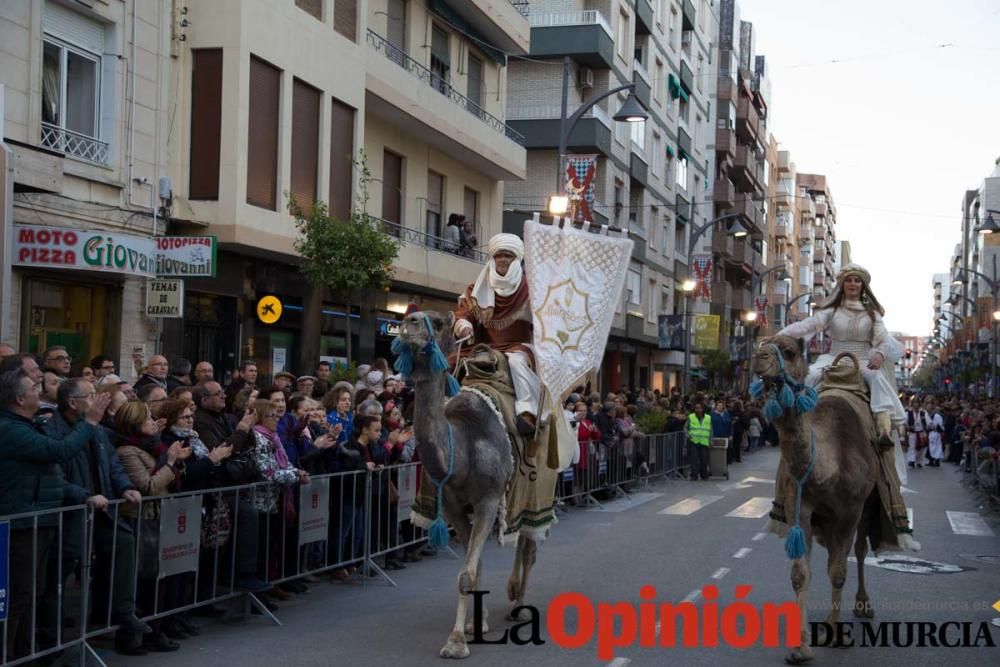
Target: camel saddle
[{"x": 845, "y": 381}]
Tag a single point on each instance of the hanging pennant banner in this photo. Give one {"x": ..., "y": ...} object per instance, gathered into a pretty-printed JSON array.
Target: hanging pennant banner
[
  {"x": 580, "y": 172},
  {"x": 701, "y": 269},
  {"x": 706, "y": 332}
]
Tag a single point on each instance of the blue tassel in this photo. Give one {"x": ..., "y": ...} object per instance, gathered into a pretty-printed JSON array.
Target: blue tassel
[
  {"x": 772, "y": 409},
  {"x": 438, "y": 533},
  {"x": 795, "y": 543},
  {"x": 786, "y": 397},
  {"x": 806, "y": 400},
  {"x": 756, "y": 388},
  {"x": 404, "y": 357},
  {"x": 451, "y": 386},
  {"x": 437, "y": 360}
]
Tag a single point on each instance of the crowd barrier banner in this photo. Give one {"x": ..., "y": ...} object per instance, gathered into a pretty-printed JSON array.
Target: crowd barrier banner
[{"x": 202, "y": 551}]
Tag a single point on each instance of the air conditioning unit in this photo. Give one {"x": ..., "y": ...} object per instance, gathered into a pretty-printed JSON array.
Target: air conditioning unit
[{"x": 586, "y": 77}]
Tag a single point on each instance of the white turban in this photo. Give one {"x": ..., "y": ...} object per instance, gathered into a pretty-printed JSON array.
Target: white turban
[{"x": 508, "y": 242}]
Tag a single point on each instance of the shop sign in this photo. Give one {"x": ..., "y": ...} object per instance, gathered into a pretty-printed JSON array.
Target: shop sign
[
  {"x": 269, "y": 309},
  {"x": 93, "y": 250},
  {"x": 164, "y": 298},
  {"x": 389, "y": 327},
  {"x": 186, "y": 256}
]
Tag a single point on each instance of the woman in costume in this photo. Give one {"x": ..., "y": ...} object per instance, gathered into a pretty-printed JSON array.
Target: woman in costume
[{"x": 852, "y": 317}]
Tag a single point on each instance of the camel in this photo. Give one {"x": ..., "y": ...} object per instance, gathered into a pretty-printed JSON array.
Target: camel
[
  {"x": 839, "y": 496},
  {"x": 481, "y": 467}
]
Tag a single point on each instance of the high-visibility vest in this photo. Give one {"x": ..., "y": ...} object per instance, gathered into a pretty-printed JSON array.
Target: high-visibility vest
[{"x": 700, "y": 433}]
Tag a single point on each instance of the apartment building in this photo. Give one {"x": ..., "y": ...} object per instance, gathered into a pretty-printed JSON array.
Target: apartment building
[
  {"x": 414, "y": 91},
  {"x": 651, "y": 177},
  {"x": 741, "y": 177},
  {"x": 85, "y": 125}
]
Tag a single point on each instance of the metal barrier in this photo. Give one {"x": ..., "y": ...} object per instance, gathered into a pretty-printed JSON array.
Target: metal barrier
[{"x": 172, "y": 553}]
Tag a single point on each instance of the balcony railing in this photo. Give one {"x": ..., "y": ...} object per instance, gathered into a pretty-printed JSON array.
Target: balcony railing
[
  {"x": 553, "y": 111},
  {"x": 522, "y": 7},
  {"x": 570, "y": 17},
  {"x": 398, "y": 56},
  {"x": 417, "y": 237},
  {"x": 74, "y": 143}
]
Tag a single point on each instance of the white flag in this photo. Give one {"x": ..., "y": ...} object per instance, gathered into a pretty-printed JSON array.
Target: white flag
[{"x": 575, "y": 278}]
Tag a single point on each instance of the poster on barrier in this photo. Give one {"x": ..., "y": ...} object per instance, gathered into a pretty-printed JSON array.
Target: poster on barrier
[
  {"x": 180, "y": 535},
  {"x": 314, "y": 511},
  {"x": 407, "y": 487},
  {"x": 4, "y": 565}
]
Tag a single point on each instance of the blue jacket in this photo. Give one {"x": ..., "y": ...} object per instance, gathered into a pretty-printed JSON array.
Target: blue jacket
[
  {"x": 722, "y": 424},
  {"x": 30, "y": 477}
]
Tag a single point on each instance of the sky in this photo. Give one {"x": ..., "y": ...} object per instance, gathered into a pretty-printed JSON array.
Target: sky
[{"x": 865, "y": 93}]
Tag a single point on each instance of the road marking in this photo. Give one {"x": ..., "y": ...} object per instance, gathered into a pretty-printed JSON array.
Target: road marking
[
  {"x": 690, "y": 505},
  {"x": 759, "y": 536},
  {"x": 720, "y": 573},
  {"x": 909, "y": 516},
  {"x": 754, "y": 508},
  {"x": 909, "y": 564},
  {"x": 742, "y": 553},
  {"x": 732, "y": 486},
  {"x": 626, "y": 503},
  {"x": 619, "y": 662},
  {"x": 757, "y": 480},
  {"x": 968, "y": 523},
  {"x": 692, "y": 596},
  {"x": 906, "y": 490}
]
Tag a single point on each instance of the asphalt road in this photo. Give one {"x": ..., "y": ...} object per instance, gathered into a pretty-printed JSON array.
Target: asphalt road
[{"x": 711, "y": 533}]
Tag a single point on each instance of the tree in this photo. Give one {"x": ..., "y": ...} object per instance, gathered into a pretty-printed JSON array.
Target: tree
[
  {"x": 717, "y": 364},
  {"x": 342, "y": 255}
]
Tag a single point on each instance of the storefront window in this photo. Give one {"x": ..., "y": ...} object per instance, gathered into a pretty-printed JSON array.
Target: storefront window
[{"x": 82, "y": 318}]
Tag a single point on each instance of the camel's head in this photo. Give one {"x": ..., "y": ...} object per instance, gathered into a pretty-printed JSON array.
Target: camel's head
[
  {"x": 418, "y": 328},
  {"x": 768, "y": 366}
]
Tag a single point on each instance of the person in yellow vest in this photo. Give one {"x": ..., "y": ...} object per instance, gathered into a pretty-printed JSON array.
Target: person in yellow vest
[{"x": 699, "y": 434}]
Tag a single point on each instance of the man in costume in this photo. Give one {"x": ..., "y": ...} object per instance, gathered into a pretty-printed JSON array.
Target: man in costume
[{"x": 496, "y": 311}]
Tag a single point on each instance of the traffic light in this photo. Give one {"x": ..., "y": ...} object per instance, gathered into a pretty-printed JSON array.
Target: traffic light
[
  {"x": 947, "y": 381},
  {"x": 909, "y": 353}
]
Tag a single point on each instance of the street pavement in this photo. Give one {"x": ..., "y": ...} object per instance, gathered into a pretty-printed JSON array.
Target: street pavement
[{"x": 674, "y": 535}]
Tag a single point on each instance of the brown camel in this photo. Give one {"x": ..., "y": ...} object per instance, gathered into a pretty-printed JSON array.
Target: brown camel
[{"x": 839, "y": 497}]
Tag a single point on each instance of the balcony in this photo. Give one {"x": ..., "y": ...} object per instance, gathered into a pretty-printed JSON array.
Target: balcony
[
  {"x": 819, "y": 254},
  {"x": 805, "y": 236},
  {"x": 725, "y": 141},
  {"x": 644, "y": 17},
  {"x": 73, "y": 143},
  {"x": 726, "y": 89},
  {"x": 540, "y": 126},
  {"x": 724, "y": 194},
  {"x": 640, "y": 77},
  {"x": 747, "y": 120},
  {"x": 403, "y": 92},
  {"x": 820, "y": 209},
  {"x": 722, "y": 245},
  {"x": 818, "y": 279},
  {"x": 687, "y": 78},
  {"x": 740, "y": 300},
  {"x": 722, "y": 293},
  {"x": 504, "y": 24},
  {"x": 638, "y": 170},
  {"x": 743, "y": 252},
  {"x": 782, "y": 230},
  {"x": 808, "y": 210},
  {"x": 783, "y": 198},
  {"x": 778, "y": 299},
  {"x": 684, "y": 141},
  {"x": 688, "y": 15},
  {"x": 784, "y": 162},
  {"x": 742, "y": 172},
  {"x": 820, "y": 233},
  {"x": 682, "y": 209},
  {"x": 583, "y": 35}
]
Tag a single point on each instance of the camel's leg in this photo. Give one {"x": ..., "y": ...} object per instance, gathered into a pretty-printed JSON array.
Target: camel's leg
[
  {"x": 800, "y": 584},
  {"x": 527, "y": 551},
  {"x": 514, "y": 583},
  {"x": 862, "y": 603},
  {"x": 456, "y": 646},
  {"x": 838, "y": 543}
]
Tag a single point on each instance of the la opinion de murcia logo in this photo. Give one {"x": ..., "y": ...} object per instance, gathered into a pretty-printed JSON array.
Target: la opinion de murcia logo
[{"x": 565, "y": 316}]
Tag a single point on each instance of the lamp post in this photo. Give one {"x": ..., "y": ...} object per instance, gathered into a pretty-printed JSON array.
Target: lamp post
[
  {"x": 994, "y": 285},
  {"x": 788, "y": 308},
  {"x": 631, "y": 112},
  {"x": 750, "y": 317},
  {"x": 737, "y": 230}
]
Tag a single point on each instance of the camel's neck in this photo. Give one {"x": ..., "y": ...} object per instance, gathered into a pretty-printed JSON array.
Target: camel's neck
[
  {"x": 794, "y": 438},
  {"x": 429, "y": 424}
]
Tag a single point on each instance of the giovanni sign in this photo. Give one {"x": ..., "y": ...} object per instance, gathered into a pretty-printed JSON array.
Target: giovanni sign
[{"x": 114, "y": 252}]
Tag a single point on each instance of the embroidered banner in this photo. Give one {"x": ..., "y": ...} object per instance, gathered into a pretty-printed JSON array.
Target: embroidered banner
[
  {"x": 580, "y": 172},
  {"x": 760, "y": 304},
  {"x": 671, "y": 332},
  {"x": 706, "y": 332},
  {"x": 575, "y": 278},
  {"x": 701, "y": 269}
]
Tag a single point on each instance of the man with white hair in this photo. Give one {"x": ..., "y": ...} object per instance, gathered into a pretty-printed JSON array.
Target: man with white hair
[{"x": 495, "y": 310}]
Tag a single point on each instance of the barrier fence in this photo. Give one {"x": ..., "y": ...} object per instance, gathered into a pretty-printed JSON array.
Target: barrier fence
[{"x": 68, "y": 574}]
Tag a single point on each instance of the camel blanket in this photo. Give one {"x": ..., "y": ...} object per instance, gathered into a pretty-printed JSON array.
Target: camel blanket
[
  {"x": 846, "y": 382},
  {"x": 529, "y": 501}
]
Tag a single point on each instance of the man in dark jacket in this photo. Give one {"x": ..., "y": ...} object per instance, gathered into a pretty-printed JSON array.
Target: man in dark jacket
[
  {"x": 95, "y": 475},
  {"x": 215, "y": 427},
  {"x": 156, "y": 373},
  {"x": 30, "y": 481}
]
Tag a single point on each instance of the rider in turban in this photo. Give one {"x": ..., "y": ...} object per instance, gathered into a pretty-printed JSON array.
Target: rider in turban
[{"x": 495, "y": 310}]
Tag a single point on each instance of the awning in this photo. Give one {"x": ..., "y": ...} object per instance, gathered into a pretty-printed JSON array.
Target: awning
[
  {"x": 674, "y": 86},
  {"x": 670, "y": 151}
]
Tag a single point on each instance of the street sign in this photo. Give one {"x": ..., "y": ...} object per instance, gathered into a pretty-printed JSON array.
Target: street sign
[
  {"x": 269, "y": 309},
  {"x": 164, "y": 298}
]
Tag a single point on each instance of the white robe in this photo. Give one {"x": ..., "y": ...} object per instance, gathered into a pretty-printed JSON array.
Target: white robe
[{"x": 934, "y": 442}]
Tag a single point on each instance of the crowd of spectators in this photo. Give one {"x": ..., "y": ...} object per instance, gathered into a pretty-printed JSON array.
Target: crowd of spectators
[{"x": 82, "y": 435}]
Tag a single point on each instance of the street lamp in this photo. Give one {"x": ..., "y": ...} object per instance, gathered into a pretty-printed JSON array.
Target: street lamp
[
  {"x": 988, "y": 226},
  {"x": 751, "y": 316},
  {"x": 734, "y": 229},
  {"x": 788, "y": 308}
]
